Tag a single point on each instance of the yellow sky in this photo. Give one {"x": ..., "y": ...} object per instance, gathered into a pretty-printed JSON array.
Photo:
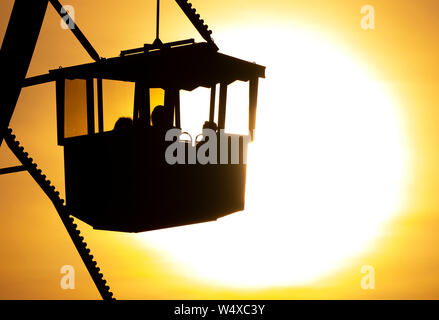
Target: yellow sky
[{"x": 400, "y": 54}]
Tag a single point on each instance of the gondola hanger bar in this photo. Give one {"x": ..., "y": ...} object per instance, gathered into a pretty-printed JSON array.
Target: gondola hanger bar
[{"x": 157, "y": 31}]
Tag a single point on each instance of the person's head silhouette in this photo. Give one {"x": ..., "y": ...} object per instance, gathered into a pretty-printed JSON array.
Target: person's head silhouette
[
  {"x": 210, "y": 125},
  {"x": 161, "y": 117},
  {"x": 123, "y": 125}
]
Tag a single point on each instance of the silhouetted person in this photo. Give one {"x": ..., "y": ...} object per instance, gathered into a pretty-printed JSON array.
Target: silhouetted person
[
  {"x": 210, "y": 125},
  {"x": 161, "y": 117},
  {"x": 207, "y": 125},
  {"x": 123, "y": 125}
]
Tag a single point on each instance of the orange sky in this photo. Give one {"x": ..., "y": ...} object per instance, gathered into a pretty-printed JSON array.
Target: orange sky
[{"x": 401, "y": 53}]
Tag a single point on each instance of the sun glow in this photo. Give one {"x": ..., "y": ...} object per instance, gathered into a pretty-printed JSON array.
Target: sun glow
[{"x": 325, "y": 173}]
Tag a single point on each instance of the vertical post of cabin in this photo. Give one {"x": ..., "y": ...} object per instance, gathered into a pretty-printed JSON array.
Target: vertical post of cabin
[
  {"x": 222, "y": 106},
  {"x": 60, "y": 105},
  {"x": 177, "y": 110},
  {"x": 90, "y": 107},
  {"x": 145, "y": 113},
  {"x": 212, "y": 103},
  {"x": 253, "y": 102},
  {"x": 222, "y": 123},
  {"x": 170, "y": 97},
  {"x": 142, "y": 104},
  {"x": 100, "y": 107}
]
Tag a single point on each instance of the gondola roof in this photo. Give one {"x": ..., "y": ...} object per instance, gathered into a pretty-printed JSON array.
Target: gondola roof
[{"x": 183, "y": 67}]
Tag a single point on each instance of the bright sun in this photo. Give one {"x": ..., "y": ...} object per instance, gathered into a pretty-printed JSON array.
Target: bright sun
[{"x": 324, "y": 174}]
